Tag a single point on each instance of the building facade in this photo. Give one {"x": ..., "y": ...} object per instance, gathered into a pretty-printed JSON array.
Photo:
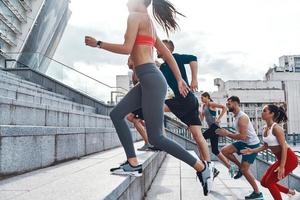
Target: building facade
[
  {"x": 30, "y": 30},
  {"x": 281, "y": 86}
]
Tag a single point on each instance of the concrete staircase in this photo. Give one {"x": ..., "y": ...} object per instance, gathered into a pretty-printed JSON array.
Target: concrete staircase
[{"x": 39, "y": 128}]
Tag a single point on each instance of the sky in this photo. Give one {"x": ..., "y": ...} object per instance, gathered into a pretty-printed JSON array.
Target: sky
[{"x": 233, "y": 39}]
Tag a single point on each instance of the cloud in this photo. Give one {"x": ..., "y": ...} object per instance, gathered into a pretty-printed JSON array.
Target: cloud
[
  {"x": 233, "y": 39},
  {"x": 72, "y": 48}
]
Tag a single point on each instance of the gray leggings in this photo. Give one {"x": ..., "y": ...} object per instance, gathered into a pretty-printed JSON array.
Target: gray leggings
[{"x": 149, "y": 95}]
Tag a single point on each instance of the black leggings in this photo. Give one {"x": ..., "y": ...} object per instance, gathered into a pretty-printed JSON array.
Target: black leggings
[{"x": 210, "y": 133}]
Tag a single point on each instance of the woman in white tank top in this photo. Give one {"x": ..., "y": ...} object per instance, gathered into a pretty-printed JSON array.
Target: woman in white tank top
[{"x": 274, "y": 139}]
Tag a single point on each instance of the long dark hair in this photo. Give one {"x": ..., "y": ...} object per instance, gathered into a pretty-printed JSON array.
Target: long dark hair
[
  {"x": 164, "y": 13},
  {"x": 279, "y": 113},
  {"x": 207, "y": 95}
]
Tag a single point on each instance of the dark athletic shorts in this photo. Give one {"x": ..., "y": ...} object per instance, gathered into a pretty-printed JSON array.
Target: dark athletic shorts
[
  {"x": 240, "y": 146},
  {"x": 186, "y": 109},
  {"x": 138, "y": 114}
]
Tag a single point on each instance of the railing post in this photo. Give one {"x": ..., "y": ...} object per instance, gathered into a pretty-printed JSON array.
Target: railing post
[{"x": 294, "y": 139}]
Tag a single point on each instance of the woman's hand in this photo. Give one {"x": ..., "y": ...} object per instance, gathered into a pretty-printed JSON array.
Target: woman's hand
[
  {"x": 247, "y": 151},
  {"x": 280, "y": 172},
  {"x": 183, "y": 88},
  {"x": 90, "y": 41}
]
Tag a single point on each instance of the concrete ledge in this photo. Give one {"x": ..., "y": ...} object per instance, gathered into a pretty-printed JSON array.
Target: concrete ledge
[
  {"x": 43, "y": 99},
  {"x": 27, "y": 148},
  {"x": 29, "y": 88},
  {"x": 260, "y": 166},
  {"x": 14, "y": 112},
  {"x": 13, "y": 77},
  {"x": 88, "y": 178},
  {"x": 136, "y": 188},
  {"x": 60, "y": 88}
]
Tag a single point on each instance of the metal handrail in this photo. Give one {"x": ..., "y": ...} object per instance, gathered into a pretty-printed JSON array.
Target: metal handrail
[
  {"x": 182, "y": 130},
  {"x": 115, "y": 90}
]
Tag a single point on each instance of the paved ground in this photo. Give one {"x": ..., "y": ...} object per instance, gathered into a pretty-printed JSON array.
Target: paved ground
[{"x": 177, "y": 181}]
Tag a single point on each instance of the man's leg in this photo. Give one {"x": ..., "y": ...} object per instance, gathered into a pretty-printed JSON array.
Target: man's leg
[
  {"x": 214, "y": 143},
  {"x": 139, "y": 127},
  {"x": 201, "y": 142},
  {"x": 166, "y": 108},
  {"x": 245, "y": 168},
  {"x": 228, "y": 152},
  {"x": 224, "y": 160}
]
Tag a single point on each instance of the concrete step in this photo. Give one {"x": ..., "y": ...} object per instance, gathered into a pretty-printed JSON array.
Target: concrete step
[
  {"x": 43, "y": 99},
  {"x": 10, "y": 76},
  {"x": 88, "y": 178},
  {"x": 14, "y": 85},
  {"x": 27, "y": 148},
  {"x": 14, "y": 112}
]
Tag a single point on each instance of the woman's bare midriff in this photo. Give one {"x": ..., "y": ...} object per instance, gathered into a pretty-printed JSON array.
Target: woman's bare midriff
[
  {"x": 142, "y": 54},
  {"x": 275, "y": 149}
]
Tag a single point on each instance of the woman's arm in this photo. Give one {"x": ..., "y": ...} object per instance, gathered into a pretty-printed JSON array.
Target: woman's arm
[
  {"x": 201, "y": 115},
  {"x": 130, "y": 36},
  {"x": 220, "y": 106},
  {"x": 256, "y": 150},
  {"x": 279, "y": 134},
  {"x": 183, "y": 89}
]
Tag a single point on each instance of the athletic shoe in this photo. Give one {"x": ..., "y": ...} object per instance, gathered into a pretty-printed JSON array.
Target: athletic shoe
[
  {"x": 238, "y": 175},
  {"x": 216, "y": 172},
  {"x": 153, "y": 148},
  {"x": 146, "y": 147},
  {"x": 232, "y": 170},
  {"x": 255, "y": 196},
  {"x": 127, "y": 169},
  {"x": 211, "y": 165},
  {"x": 296, "y": 196},
  {"x": 205, "y": 178}
]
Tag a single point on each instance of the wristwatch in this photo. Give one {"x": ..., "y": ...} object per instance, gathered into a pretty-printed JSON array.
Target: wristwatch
[{"x": 99, "y": 43}]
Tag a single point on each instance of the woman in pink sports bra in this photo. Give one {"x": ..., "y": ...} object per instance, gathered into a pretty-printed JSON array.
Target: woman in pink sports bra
[
  {"x": 274, "y": 139},
  {"x": 149, "y": 94}
]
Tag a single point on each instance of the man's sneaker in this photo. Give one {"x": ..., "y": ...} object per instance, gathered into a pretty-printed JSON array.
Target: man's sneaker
[
  {"x": 238, "y": 175},
  {"x": 216, "y": 173},
  {"x": 146, "y": 147},
  {"x": 256, "y": 196},
  {"x": 232, "y": 170},
  {"x": 127, "y": 169},
  {"x": 205, "y": 178}
]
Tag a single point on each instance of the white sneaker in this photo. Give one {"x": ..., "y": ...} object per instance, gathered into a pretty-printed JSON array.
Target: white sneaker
[
  {"x": 210, "y": 181},
  {"x": 205, "y": 178}
]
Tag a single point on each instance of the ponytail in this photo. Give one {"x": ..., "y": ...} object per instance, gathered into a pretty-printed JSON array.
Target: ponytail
[
  {"x": 207, "y": 95},
  {"x": 165, "y": 13},
  {"x": 280, "y": 115}
]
